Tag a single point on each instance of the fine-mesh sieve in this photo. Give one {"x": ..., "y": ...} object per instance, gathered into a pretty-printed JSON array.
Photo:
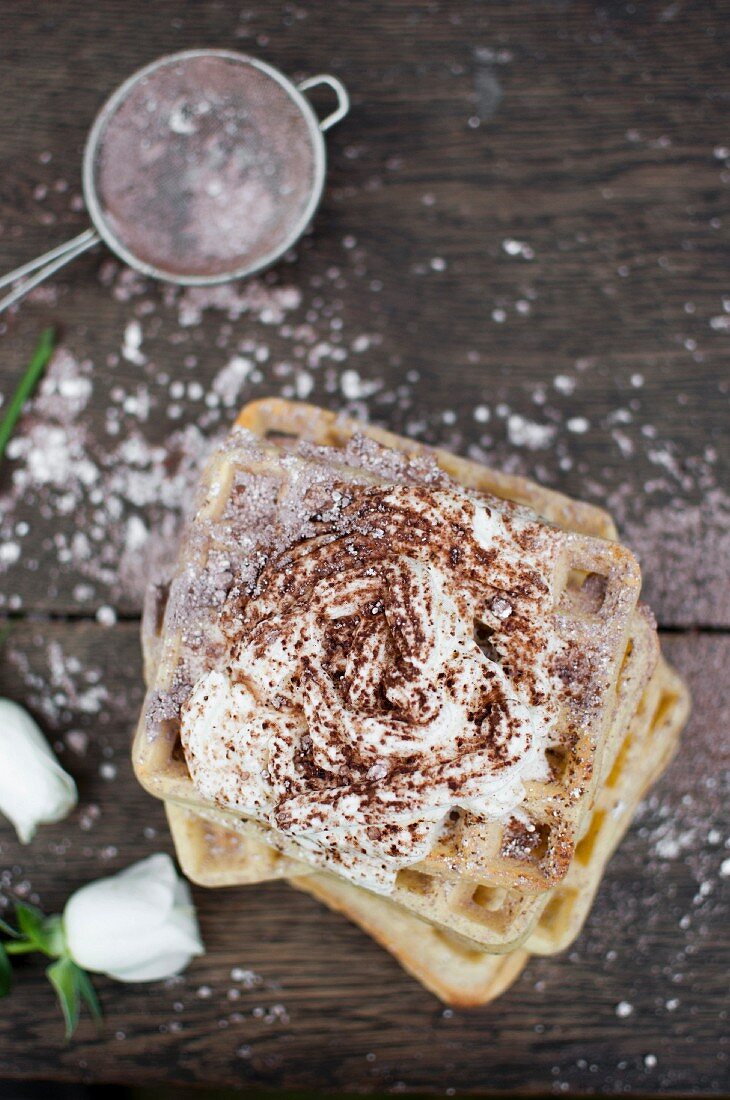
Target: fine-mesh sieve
[{"x": 204, "y": 166}]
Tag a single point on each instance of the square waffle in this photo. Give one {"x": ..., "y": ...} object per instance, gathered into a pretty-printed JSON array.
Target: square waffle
[
  {"x": 475, "y": 853},
  {"x": 492, "y": 917},
  {"x": 461, "y": 973}
]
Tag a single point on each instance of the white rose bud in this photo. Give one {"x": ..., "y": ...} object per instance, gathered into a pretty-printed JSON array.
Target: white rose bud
[
  {"x": 137, "y": 926},
  {"x": 34, "y": 788}
]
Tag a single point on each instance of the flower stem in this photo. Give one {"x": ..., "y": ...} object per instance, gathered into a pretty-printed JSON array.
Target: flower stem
[
  {"x": 20, "y": 947},
  {"x": 27, "y": 384}
]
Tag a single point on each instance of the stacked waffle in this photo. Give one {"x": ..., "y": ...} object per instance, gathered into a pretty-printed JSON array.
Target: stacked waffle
[{"x": 421, "y": 690}]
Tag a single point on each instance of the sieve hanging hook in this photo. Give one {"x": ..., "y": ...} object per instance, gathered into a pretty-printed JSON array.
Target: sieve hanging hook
[{"x": 203, "y": 167}]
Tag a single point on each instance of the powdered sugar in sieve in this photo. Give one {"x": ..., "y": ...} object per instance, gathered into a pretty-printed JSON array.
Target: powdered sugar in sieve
[{"x": 204, "y": 166}]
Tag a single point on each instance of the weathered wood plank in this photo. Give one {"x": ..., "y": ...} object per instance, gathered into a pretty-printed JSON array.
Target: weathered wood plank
[
  {"x": 329, "y": 1009},
  {"x": 525, "y": 208},
  {"x": 552, "y": 259}
]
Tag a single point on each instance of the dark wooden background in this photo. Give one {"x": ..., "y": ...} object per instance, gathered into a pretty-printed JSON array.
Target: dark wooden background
[{"x": 594, "y": 134}]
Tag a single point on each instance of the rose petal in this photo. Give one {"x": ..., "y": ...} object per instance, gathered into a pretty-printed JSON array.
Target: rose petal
[
  {"x": 34, "y": 788},
  {"x": 130, "y": 923}
]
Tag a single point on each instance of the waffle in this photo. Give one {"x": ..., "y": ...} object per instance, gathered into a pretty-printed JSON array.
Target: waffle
[
  {"x": 489, "y": 854},
  {"x": 472, "y": 904},
  {"x": 492, "y": 919},
  {"x": 243, "y": 858},
  {"x": 460, "y": 975},
  {"x": 218, "y": 848},
  {"x": 458, "y": 972}
]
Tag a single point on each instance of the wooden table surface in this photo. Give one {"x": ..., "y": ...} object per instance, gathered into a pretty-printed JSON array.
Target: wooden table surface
[{"x": 521, "y": 254}]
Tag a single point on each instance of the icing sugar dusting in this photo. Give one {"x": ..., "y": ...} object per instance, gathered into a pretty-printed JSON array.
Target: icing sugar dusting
[
  {"x": 101, "y": 508},
  {"x": 192, "y": 357}
]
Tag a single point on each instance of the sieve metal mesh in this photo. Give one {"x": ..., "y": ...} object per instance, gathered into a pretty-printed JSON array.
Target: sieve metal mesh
[{"x": 204, "y": 166}]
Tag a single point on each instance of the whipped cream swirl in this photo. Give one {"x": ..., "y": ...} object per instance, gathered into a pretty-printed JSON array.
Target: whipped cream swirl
[{"x": 385, "y": 672}]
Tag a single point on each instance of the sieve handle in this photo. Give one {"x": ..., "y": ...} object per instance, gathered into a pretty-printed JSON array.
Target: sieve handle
[
  {"x": 37, "y": 271},
  {"x": 343, "y": 99}
]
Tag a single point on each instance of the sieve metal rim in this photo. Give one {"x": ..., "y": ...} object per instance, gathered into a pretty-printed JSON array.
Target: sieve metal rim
[{"x": 315, "y": 130}]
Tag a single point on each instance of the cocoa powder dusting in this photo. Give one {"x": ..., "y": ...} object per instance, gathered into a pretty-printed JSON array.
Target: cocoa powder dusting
[{"x": 321, "y": 585}]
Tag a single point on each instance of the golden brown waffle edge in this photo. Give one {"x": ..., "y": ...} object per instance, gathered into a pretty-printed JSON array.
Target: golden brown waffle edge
[{"x": 499, "y": 926}]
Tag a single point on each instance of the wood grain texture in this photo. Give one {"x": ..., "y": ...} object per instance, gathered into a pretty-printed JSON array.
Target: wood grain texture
[
  {"x": 525, "y": 208},
  {"x": 347, "y": 1016},
  {"x": 604, "y": 156}
]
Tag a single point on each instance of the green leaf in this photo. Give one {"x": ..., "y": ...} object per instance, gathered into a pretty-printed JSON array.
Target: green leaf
[
  {"x": 29, "y": 917},
  {"x": 9, "y": 930},
  {"x": 30, "y": 921},
  {"x": 27, "y": 384},
  {"x": 41, "y": 932},
  {"x": 6, "y": 973},
  {"x": 73, "y": 987},
  {"x": 88, "y": 993},
  {"x": 62, "y": 977},
  {"x": 37, "y": 932}
]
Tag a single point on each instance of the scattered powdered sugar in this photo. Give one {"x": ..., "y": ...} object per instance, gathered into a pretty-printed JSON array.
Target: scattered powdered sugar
[
  {"x": 354, "y": 388},
  {"x": 683, "y": 545},
  {"x": 9, "y": 553},
  {"x": 518, "y": 248},
  {"x": 102, "y": 463},
  {"x": 101, "y": 503},
  {"x": 676, "y": 518},
  {"x": 563, "y": 383},
  {"x": 270, "y": 305},
  {"x": 92, "y": 503},
  {"x": 249, "y": 979},
  {"x": 103, "y": 506},
  {"x": 88, "y": 495},
  {"x": 131, "y": 347},
  {"x": 230, "y": 380},
  {"x": 77, "y": 741},
  {"x": 669, "y": 843},
  {"x": 527, "y": 433},
  {"x": 68, "y": 688}
]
